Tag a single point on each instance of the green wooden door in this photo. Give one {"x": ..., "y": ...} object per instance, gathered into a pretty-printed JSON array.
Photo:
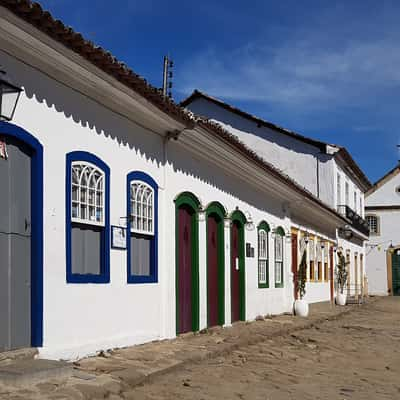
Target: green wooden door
[{"x": 396, "y": 274}]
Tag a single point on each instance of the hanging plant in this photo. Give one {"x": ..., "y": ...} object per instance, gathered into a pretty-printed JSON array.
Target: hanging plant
[
  {"x": 302, "y": 277},
  {"x": 342, "y": 271}
]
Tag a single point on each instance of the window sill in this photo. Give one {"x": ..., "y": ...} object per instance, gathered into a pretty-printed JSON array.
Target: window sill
[
  {"x": 77, "y": 278},
  {"x": 263, "y": 285},
  {"x": 142, "y": 279}
]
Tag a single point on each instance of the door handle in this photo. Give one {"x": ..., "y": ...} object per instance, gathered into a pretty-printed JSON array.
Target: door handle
[
  {"x": 27, "y": 224},
  {"x": 237, "y": 263}
]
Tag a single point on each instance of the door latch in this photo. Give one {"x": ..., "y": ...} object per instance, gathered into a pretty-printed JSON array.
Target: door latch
[{"x": 237, "y": 263}]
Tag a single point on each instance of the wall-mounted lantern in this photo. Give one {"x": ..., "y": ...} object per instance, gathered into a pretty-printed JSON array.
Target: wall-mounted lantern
[{"x": 9, "y": 96}]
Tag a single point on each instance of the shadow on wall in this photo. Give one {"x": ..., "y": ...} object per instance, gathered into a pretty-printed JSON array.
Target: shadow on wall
[
  {"x": 206, "y": 172},
  {"x": 87, "y": 113},
  {"x": 203, "y": 107},
  {"x": 82, "y": 110}
]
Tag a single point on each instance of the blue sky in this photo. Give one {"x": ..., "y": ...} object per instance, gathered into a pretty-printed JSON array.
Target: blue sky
[{"x": 327, "y": 69}]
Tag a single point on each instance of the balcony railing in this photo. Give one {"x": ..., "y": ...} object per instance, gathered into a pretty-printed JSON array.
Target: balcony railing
[{"x": 357, "y": 222}]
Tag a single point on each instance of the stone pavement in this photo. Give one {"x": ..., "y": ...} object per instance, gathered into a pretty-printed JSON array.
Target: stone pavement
[{"x": 111, "y": 374}]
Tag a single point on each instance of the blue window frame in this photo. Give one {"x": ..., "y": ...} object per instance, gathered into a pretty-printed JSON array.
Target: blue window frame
[
  {"x": 92, "y": 214},
  {"x": 142, "y": 228}
]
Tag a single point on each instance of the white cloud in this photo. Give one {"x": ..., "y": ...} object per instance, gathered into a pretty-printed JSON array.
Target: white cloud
[{"x": 297, "y": 73}]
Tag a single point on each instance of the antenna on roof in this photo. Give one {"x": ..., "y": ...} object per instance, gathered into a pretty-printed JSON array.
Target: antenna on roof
[{"x": 167, "y": 77}]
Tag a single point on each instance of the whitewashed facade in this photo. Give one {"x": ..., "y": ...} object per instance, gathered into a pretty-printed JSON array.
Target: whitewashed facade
[
  {"x": 73, "y": 117},
  {"x": 325, "y": 170},
  {"x": 382, "y": 210}
]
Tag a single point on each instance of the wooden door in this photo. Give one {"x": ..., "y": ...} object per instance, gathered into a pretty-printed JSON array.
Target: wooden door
[
  {"x": 185, "y": 269},
  {"x": 356, "y": 275},
  {"x": 15, "y": 247},
  {"x": 235, "y": 271},
  {"x": 331, "y": 271},
  {"x": 295, "y": 266},
  {"x": 212, "y": 270},
  {"x": 395, "y": 274}
]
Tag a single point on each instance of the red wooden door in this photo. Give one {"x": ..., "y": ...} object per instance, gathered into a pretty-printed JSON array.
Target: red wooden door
[
  {"x": 212, "y": 270},
  {"x": 295, "y": 265},
  {"x": 185, "y": 270},
  {"x": 235, "y": 273},
  {"x": 331, "y": 273}
]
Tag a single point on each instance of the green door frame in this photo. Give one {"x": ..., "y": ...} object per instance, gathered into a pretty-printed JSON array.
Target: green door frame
[
  {"x": 188, "y": 199},
  {"x": 218, "y": 209},
  {"x": 239, "y": 217}
]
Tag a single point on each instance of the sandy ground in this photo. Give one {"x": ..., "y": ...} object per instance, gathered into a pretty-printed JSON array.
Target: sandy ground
[
  {"x": 336, "y": 353},
  {"x": 354, "y": 357}
]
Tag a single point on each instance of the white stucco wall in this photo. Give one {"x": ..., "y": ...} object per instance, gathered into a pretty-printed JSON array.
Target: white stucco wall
[
  {"x": 295, "y": 158},
  {"x": 80, "y": 319},
  {"x": 386, "y": 194},
  {"x": 388, "y": 232},
  {"x": 389, "y": 222},
  {"x": 340, "y": 199}
]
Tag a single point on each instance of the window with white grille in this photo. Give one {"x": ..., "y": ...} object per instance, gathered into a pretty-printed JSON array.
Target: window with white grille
[
  {"x": 142, "y": 208},
  {"x": 262, "y": 257},
  {"x": 373, "y": 223},
  {"x": 338, "y": 191},
  {"x": 278, "y": 259},
  {"x": 87, "y": 193}
]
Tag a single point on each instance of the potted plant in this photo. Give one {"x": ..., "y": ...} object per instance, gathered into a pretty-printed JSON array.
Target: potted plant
[
  {"x": 341, "y": 276},
  {"x": 301, "y": 305}
]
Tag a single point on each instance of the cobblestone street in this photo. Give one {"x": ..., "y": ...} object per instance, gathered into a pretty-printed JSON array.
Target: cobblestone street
[
  {"x": 353, "y": 357},
  {"x": 337, "y": 353}
]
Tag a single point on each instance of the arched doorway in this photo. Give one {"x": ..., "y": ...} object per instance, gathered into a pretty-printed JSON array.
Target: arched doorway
[
  {"x": 238, "y": 290},
  {"x": 21, "y": 239},
  {"x": 395, "y": 272},
  {"x": 215, "y": 215},
  {"x": 187, "y": 263}
]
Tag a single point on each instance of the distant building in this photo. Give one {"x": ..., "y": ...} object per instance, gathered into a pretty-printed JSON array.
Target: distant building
[
  {"x": 382, "y": 211},
  {"x": 327, "y": 171}
]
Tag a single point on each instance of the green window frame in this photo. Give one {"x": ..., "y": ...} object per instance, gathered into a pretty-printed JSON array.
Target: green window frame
[
  {"x": 279, "y": 256},
  {"x": 263, "y": 254}
]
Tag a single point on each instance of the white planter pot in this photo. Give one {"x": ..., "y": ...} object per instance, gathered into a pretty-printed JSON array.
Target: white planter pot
[
  {"x": 301, "y": 308},
  {"x": 341, "y": 299}
]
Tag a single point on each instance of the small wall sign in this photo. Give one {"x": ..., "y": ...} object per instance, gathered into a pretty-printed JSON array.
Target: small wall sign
[{"x": 118, "y": 237}]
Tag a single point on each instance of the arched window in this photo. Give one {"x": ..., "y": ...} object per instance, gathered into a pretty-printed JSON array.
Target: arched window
[
  {"x": 263, "y": 250},
  {"x": 87, "y": 219},
  {"x": 373, "y": 223},
  {"x": 142, "y": 228},
  {"x": 279, "y": 234},
  {"x": 87, "y": 193},
  {"x": 142, "y": 208}
]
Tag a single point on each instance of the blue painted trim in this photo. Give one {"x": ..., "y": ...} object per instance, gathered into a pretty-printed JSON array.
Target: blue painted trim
[
  {"x": 8, "y": 129},
  {"x": 153, "y": 277},
  {"x": 104, "y": 276}
]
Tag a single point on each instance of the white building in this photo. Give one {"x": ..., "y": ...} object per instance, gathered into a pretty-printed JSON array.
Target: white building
[
  {"x": 124, "y": 218},
  {"x": 382, "y": 211},
  {"x": 327, "y": 171}
]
